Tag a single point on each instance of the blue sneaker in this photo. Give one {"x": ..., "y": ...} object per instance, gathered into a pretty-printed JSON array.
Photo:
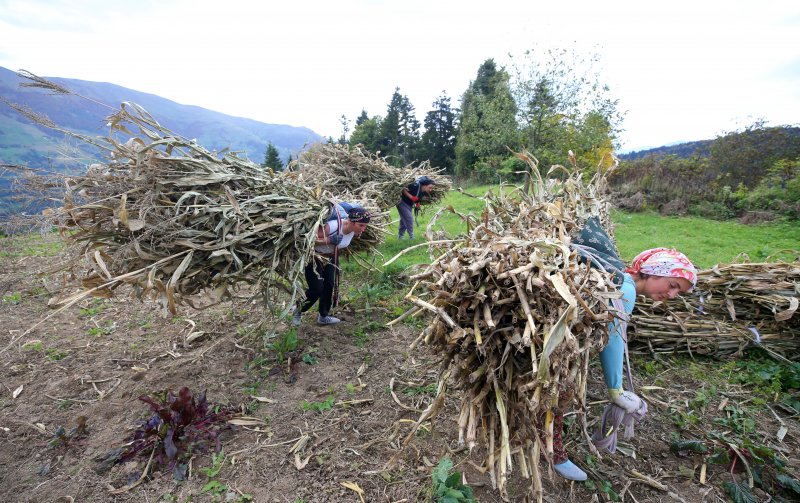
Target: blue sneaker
[
  {"x": 327, "y": 320},
  {"x": 570, "y": 471},
  {"x": 297, "y": 317}
]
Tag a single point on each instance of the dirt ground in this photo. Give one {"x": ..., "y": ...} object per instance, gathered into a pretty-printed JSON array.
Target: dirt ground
[{"x": 97, "y": 358}]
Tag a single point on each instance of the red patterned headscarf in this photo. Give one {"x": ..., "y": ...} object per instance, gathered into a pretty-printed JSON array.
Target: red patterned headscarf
[{"x": 664, "y": 262}]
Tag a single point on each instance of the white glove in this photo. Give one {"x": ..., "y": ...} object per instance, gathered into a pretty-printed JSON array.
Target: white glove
[{"x": 628, "y": 401}]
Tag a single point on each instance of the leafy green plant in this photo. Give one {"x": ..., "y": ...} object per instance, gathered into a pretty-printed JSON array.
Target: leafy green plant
[
  {"x": 737, "y": 420},
  {"x": 180, "y": 425},
  {"x": 322, "y": 406},
  {"x": 428, "y": 389},
  {"x": 32, "y": 346},
  {"x": 447, "y": 487},
  {"x": 96, "y": 307},
  {"x": 217, "y": 461},
  {"x": 740, "y": 492},
  {"x": 12, "y": 298},
  {"x": 284, "y": 343},
  {"x": 55, "y": 355}
]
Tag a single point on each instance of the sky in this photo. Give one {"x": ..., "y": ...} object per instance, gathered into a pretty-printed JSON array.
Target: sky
[{"x": 681, "y": 70}]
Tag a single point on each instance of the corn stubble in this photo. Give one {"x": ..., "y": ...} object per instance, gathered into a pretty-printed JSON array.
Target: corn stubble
[{"x": 515, "y": 318}]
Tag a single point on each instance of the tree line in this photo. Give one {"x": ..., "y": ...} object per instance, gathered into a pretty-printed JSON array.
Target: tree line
[{"x": 546, "y": 102}]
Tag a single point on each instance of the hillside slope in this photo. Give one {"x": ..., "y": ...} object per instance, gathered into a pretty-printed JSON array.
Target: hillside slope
[{"x": 22, "y": 143}]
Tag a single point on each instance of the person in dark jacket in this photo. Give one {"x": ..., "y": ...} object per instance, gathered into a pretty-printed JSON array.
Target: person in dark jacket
[
  {"x": 322, "y": 273},
  {"x": 411, "y": 199}
]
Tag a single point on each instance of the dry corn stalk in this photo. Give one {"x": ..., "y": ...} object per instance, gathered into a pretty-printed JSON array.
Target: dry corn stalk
[
  {"x": 734, "y": 307},
  {"x": 515, "y": 316},
  {"x": 344, "y": 169},
  {"x": 175, "y": 220}
]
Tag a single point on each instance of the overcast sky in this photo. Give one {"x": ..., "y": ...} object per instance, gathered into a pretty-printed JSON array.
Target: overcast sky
[{"x": 682, "y": 70}]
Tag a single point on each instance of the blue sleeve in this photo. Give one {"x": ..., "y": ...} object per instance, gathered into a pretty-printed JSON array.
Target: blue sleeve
[{"x": 611, "y": 357}]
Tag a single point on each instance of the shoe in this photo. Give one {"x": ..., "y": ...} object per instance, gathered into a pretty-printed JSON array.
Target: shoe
[
  {"x": 297, "y": 317},
  {"x": 327, "y": 320},
  {"x": 570, "y": 471},
  {"x": 628, "y": 401}
]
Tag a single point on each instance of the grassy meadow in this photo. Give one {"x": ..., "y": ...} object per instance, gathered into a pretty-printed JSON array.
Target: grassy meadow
[{"x": 705, "y": 242}]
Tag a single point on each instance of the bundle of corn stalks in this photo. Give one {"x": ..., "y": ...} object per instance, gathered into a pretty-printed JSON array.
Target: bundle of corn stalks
[
  {"x": 344, "y": 169},
  {"x": 515, "y": 317},
  {"x": 735, "y": 307},
  {"x": 174, "y": 220}
]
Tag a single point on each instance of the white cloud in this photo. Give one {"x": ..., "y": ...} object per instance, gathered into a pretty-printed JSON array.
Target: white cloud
[{"x": 683, "y": 71}]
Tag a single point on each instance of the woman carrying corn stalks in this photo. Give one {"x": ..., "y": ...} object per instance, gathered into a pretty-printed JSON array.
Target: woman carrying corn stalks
[
  {"x": 322, "y": 273},
  {"x": 411, "y": 198},
  {"x": 658, "y": 274}
]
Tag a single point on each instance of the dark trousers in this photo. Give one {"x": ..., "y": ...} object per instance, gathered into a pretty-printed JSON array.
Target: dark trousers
[
  {"x": 406, "y": 219},
  {"x": 320, "y": 277}
]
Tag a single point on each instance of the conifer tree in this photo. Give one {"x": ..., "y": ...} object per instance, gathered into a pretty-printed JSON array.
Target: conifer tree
[
  {"x": 272, "y": 158},
  {"x": 488, "y": 125},
  {"x": 438, "y": 143}
]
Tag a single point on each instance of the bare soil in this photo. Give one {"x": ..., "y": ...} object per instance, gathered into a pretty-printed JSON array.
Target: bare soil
[{"x": 96, "y": 359}]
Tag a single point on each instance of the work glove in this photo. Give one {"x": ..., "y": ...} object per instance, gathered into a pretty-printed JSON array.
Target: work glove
[
  {"x": 628, "y": 401},
  {"x": 414, "y": 199},
  {"x": 417, "y": 205}
]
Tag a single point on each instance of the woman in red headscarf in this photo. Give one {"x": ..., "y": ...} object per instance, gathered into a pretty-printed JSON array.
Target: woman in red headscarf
[{"x": 658, "y": 274}]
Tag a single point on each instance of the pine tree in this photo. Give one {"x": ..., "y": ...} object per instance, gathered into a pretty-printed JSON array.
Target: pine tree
[
  {"x": 272, "y": 158},
  {"x": 367, "y": 133},
  {"x": 399, "y": 130},
  {"x": 488, "y": 126},
  {"x": 438, "y": 143}
]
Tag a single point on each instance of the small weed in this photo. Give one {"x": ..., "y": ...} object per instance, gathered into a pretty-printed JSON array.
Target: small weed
[
  {"x": 55, "y": 355},
  {"x": 284, "y": 343},
  {"x": 96, "y": 307},
  {"x": 309, "y": 357},
  {"x": 447, "y": 486},
  {"x": 106, "y": 328},
  {"x": 351, "y": 388},
  {"x": 683, "y": 420},
  {"x": 215, "y": 487},
  {"x": 146, "y": 323},
  {"x": 32, "y": 346},
  {"x": 319, "y": 406},
  {"x": 12, "y": 298},
  {"x": 737, "y": 420},
  {"x": 64, "y": 404},
  {"x": 361, "y": 337},
  {"x": 702, "y": 398},
  {"x": 217, "y": 461},
  {"x": 252, "y": 388},
  {"x": 428, "y": 389},
  {"x": 62, "y": 437}
]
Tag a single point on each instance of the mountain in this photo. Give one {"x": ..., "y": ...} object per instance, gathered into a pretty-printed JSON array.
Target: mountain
[
  {"x": 24, "y": 143},
  {"x": 21, "y": 142},
  {"x": 700, "y": 148}
]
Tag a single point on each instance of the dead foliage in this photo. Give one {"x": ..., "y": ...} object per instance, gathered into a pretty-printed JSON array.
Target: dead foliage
[
  {"x": 734, "y": 307},
  {"x": 515, "y": 319}
]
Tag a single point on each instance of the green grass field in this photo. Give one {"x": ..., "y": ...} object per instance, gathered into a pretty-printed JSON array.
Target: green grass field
[{"x": 705, "y": 242}]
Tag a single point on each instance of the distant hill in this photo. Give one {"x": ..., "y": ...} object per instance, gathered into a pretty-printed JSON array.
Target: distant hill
[
  {"x": 700, "y": 148},
  {"x": 22, "y": 142}
]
